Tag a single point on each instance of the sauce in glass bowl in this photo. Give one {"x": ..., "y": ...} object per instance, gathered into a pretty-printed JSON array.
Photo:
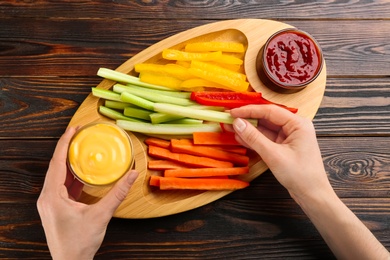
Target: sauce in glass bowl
[
  {"x": 100, "y": 154},
  {"x": 292, "y": 59}
]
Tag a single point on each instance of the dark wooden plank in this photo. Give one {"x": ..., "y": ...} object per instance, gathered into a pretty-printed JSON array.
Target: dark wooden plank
[
  {"x": 42, "y": 106},
  {"x": 42, "y": 47},
  {"x": 262, "y": 216},
  {"x": 356, "y": 167},
  {"x": 187, "y": 9},
  {"x": 265, "y": 228},
  {"x": 354, "y": 106}
]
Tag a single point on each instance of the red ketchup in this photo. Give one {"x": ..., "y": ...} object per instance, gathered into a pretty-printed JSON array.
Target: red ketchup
[{"x": 292, "y": 59}]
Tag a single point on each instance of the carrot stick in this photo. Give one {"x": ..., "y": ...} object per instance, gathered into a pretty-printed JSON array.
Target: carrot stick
[
  {"x": 184, "y": 146},
  {"x": 228, "y": 148},
  {"x": 154, "y": 180},
  {"x": 157, "y": 142},
  {"x": 164, "y": 165},
  {"x": 168, "y": 183},
  {"x": 190, "y": 160},
  {"x": 231, "y": 149},
  {"x": 205, "y": 172},
  {"x": 216, "y": 138}
]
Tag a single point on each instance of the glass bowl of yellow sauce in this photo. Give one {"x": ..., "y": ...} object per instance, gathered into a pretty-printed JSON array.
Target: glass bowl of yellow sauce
[{"x": 100, "y": 153}]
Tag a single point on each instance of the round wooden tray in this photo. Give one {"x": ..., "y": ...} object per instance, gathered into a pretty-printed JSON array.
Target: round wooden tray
[{"x": 146, "y": 202}]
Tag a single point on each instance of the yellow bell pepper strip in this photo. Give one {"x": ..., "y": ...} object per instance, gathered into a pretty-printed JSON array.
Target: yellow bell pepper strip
[
  {"x": 171, "y": 54},
  {"x": 159, "y": 79},
  {"x": 217, "y": 69},
  {"x": 229, "y": 59},
  {"x": 197, "y": 83},
  {"x": 233, "y": 99},
  {"x": 228, "y": 79},
  {"x": 232, "y": 67},
  {"x": 183, "y": 63},
  {"x": 215, "y": 46},
  {"x": 173, "y": 70}
]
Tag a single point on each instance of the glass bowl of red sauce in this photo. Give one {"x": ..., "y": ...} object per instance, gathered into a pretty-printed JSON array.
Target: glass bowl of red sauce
[{"x": 292, "y": 59}]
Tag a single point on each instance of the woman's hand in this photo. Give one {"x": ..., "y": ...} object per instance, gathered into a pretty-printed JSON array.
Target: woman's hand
[
  {"x": 287, "y": 143},
  {"x": 75, "y": 230}
]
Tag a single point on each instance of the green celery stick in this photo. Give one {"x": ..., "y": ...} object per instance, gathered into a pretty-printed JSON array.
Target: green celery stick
[
  {"x": 178, "y": 94},
  {"x": 158, "y": 118},
  {"x": 113, "y": 114},
  {"x": 106, "y": 94},
  {"x": 138, "y": 101},
  {"x": 125, "y": 78},
  {"x": 117, "y": 104},
  {"x": 153, "y": 96},
  {"x": 167, "y": 129},
  {"x": 187, "y": 121},
  {"x": 137, "y": 113},
  {"x": 207, "y": 115}
]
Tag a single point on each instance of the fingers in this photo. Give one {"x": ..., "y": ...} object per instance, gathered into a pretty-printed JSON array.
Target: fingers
[
  {"x": 251, "y": 137},
  {"x": 271, "y": 115},
  {"x": 118, "y": 193},
  {"x": 57, "y": 172}
]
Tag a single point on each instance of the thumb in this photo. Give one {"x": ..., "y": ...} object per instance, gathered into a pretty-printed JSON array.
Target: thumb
[
  {"x": 251, "y": 137},
  {"x": 111, "y": 201}
]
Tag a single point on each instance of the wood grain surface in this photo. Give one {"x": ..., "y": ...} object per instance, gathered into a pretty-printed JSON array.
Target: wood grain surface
[{"x": 50, "y": 53}]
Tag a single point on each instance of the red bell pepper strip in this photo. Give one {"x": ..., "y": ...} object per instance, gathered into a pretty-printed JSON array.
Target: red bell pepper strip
[{"x": 232, "y": 99}]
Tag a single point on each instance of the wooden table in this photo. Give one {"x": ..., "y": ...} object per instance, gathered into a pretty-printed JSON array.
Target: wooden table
[{"x": 50, "y": 53}]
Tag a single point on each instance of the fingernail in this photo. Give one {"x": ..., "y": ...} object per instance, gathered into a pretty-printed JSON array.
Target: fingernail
[{"x": 239, "y": 125}]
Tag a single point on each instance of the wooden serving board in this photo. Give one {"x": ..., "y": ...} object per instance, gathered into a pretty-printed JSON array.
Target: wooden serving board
[{"x": 147, "y": 202}]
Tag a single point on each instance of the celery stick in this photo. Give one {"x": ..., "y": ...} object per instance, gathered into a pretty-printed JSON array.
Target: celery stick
[
  {"x": 167, "y": 129},
  {"x": 187, "y": 121},
  {"x": 207, "y": 115},
  {"x": 106, "y": 94},
  {"x": 202, "y": 107},
  {"x": 138, "y": 101},
  {"x": 117, "y": 104},
  {"x": 178, "y": 94},
  {"x": 137, "y": 113},
  {"x": 125, "y": 78},
  {"x": 113, "y": 114},
  {"x": 154, "y": 96},
  {"x": 158, "y": 118}
]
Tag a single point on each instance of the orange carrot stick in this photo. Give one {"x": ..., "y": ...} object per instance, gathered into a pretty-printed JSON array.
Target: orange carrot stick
[
  {"x": 154, "y": 180},
  {"x": 231, "y": 149},
  {"x": 228, "y": 148},
  {"x": 217, "y": 138},
  {"x": 183, "y": 146},
  {"x": 168, "y": 183},
  {"x": 205, "y": 172},
  {"x": 164, "y": 165},
  {"x": 190, "y": 160},
  {"x": 157, "y": 142}
]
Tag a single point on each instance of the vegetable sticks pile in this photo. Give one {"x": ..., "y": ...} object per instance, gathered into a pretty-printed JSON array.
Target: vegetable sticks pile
[
  {"x": 186, "y": 165},
  {"x": 198, "y": 65}
]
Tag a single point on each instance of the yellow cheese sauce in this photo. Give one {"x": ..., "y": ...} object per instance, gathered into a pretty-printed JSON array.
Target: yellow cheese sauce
[{"x": 99, "y": 154}]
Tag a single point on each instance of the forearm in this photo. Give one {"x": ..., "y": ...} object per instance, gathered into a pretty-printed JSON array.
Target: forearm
[{"x": 345, "y": 234}]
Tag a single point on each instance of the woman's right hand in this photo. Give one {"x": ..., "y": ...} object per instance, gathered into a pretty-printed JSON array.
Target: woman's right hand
[{"x": 288, "y": 145}]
